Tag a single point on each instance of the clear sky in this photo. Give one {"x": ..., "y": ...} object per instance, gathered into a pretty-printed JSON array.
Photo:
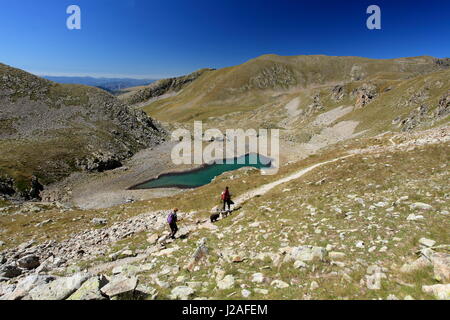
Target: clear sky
[{"x": 161, "y": 38}]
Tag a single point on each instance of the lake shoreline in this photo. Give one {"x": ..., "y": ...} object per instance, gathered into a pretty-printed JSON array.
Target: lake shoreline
[{"x": 197, "y": 169}]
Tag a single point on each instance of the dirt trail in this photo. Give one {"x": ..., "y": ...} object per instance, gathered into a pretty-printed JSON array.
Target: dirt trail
[{"x": 267, "y": 187}]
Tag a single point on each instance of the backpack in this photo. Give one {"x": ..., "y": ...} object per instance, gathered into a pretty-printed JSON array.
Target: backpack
[
  {"x": 222, "y": 196},
  {"x": 171, "y": 218}
]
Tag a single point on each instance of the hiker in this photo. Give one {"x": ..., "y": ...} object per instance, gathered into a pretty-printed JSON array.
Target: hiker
[
  {"x": 172, "y": 220},
  {"x": 226, "y": 198}
]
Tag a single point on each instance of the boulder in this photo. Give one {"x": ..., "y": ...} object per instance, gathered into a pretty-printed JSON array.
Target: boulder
[
  {"x": 308, "y": 253},
  {"x": 440, "y": 291},
  {"x": 279, "y": 284},
  {"x": 119, "y": 285},
  {"x": 374, "y": 276},
  {"x": 90, "y": 290},
  {"x": 420, "y": 206},
  {"x": 27, "y": 284},
  {"x": 60, "y": 288},
  {"x": 9, "y": 271},
  {"x": 413, "y": 217},
  {"x": 360, "y": 244},
  {"x": 127, "y": 269},
  {"x": 29, "y": 262},
  {"x": 441, "y": 266},
  {"x": 245, "y": 293},
  {"x": 100, "y": 221},
  {"x": 182, "y": 293},
  {"x": 122, "y": 255},
  {"x": 6, "y": 289},
  {"x": 418, "y": 264},
  {"x": 226, "y": 283},
  {"x": 145, "y": 292},
  {"x": 194, "y": 284},
  {"x": 200, "y": 254},
  {"x": 238, "y": 259},
  {"x": 262, "y": 291},
  {"x": 258, "y": 278},
  {"x": 300, "y": 264},
  {"x": 153, "y": 238},
  {"x": 314, "y": 285},
  {"x": 427, "y": 242},
  {"x": 335, "y": 255},
  {"x": 373, "y": 281}
]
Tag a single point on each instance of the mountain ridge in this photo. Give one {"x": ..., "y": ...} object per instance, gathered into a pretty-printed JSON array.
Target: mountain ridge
[{"x": 50, "y": 130}]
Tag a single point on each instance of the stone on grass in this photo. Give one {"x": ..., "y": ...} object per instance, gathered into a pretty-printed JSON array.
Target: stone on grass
[
  {"x": 145, "y": 292},
  {"x": 90, "y": 290},
  {"x": 182, "y": 293},
  {"x": 153, "y": 238},
  {"x": 27, "y": 284},
  {"x": 300, "y": 264},
  {"x": 226, "y": 283},
  {"x": 359, "y": 244},
  {"x": 314, "y": 285},
  {"x": 441, "y": 266},
  {"x": 60, "y": 288},
  {"x": 427, "y": 242},
  {"x": 122, "y": 255},
  {"x": 279, "y": 284},
  {"x": 246, "y": 293},
  {"x": 100, "y": 221},
  {"x": 335, "y": 255},
  {"x": 119, "y": 285},
  {"x": 418, "y": 264},
  {"x": 440, "y": 291},
  {"x": 308, "y": 253},
  {"x": 374, "y": 277},
  {"x": 413, "y": 217},
  {"x": 127, "y": 269},
  {"x": 420, "y": 206},
  {"x": 261, "y": 291},
  {"x": 258, "y": 277}
]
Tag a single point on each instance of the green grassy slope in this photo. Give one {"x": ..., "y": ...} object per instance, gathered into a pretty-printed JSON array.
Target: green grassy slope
[{"x": 248, "y": 86}]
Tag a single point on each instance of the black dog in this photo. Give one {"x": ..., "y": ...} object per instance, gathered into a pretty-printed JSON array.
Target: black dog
[{"x": 214, "y": 217}]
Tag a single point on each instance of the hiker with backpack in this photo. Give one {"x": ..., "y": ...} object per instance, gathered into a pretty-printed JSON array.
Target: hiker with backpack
[
  {"x": 226, "y": 198},
  {"x": 172, "y": 220}
]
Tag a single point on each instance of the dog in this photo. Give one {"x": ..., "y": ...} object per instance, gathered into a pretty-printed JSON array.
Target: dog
[
  {"x": 214, "y": 217},
  {"x": 225, "y": 213}
]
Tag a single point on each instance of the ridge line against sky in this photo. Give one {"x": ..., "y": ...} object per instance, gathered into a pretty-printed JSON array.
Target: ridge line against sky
[{"x": 154, "y": 39}]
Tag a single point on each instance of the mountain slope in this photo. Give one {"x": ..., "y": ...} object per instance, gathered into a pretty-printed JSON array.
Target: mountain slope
[
  {"x": 267, "y": 80},
  {"x": 143, "y": 94},
  {"x": 355, "y": 228},
  {"x": 49, "y": 130}
]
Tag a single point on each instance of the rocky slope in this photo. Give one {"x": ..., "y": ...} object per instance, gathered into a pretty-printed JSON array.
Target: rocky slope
[
  {"x": 365, "y": 220},
  {"x": 144, "y": 94},
  {"x": 358, "y": 209},
  {"x": 49, "y": 130}
]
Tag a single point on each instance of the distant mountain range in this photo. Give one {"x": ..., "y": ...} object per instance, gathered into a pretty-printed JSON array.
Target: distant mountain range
[{"x": 109, "y": 84}]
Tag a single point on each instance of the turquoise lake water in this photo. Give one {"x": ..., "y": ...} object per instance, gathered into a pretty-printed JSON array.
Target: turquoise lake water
[{"x": 202, "y": 176}]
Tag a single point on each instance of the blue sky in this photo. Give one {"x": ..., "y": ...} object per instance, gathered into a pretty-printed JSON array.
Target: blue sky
[{"x": 161, "y": 38}]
